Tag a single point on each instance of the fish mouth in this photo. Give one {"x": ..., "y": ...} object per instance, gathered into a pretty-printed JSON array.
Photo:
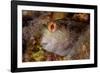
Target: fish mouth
[{"x": 59, "y": 51}]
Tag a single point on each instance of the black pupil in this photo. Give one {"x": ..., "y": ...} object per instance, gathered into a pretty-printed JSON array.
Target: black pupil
[{"x": 52, "y": 27}]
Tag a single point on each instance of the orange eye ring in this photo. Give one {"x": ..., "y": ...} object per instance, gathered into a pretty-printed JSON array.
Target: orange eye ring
[{"x": 52, "y": 27}]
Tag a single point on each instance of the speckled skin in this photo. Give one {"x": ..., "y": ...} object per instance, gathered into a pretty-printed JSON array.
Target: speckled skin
[{"x": 64, "y": 40}]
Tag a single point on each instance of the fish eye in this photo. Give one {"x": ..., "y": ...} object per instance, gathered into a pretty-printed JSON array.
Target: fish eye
[{"x": 52, "y": 26}]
